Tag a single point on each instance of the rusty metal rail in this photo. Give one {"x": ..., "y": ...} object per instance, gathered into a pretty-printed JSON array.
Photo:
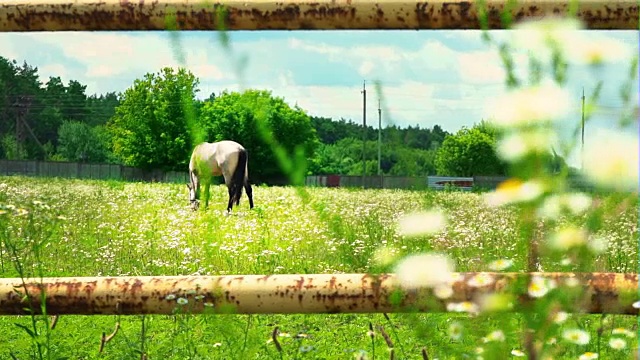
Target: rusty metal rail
[
  {"x": 103, "y": 15},
  {"x": 290, "y": 294}
]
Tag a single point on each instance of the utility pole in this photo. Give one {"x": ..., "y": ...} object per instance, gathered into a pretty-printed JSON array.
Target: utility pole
[
  {"x": 364, "y": 129},
  {"x": 379, "y": 139},
  {"x": 582, "y": 148}
]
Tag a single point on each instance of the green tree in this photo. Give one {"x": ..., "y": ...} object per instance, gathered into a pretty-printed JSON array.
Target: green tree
[
  {"x": 150, "y": 128},
  {"x": 10, "y": 148},
  {"x": 80, "y": 142},
  {"x": 235, "y": 116},
  {"x": 469, "y": 152}
]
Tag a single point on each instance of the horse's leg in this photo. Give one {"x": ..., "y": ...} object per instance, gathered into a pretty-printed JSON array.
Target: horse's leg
[
  {"x": 231, "y": 192},
  {"x": 206, "y": 194},
  {"x": 249, "y": 191},
  {"x": 229, "y": 183}
]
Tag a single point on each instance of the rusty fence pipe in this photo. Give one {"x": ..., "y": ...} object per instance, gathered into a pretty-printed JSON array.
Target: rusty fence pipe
[
  {"x": 105, "y": 15},
  {"x": 291, "y": 294}
]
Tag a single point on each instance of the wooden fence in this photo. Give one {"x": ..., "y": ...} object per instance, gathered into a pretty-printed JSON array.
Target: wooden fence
[
  {"x": 88, "y": 171},
  {"x": 420, "y": 182}
]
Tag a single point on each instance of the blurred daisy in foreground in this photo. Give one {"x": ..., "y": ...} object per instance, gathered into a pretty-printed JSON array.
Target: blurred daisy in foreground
[
  {"x": 465, "y": 306},
  {"x": 611, "y": 160},
  {"x": 497, "y": 335},
  {"x": 573, "y": 203},
  {"x": 421, "y": 223},
  {"x": 540, "y": 286},
  {"x": 568, "y": 237},
  {"x": 517, "y": 353},
  {"x": 540, "y": 104},
  {"x": 455, "y": 331},
  {"x": 513, "y": 191},
  {"x": 424, "y": 270},
  {"x": 617, "y": 343},
  {"x": 516, "y": 145},
  {"x": 539, "y": 37},
  {"x": 597, "y": 51},
  {"x": 588, "y": 356},
  {"x": 623, "y": 331},
  {"x": 500, "y": 264},
  {"x": 576, "y": 336}
]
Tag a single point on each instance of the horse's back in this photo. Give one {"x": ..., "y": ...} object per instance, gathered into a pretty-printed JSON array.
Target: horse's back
[{"x": 218, "y": 155}]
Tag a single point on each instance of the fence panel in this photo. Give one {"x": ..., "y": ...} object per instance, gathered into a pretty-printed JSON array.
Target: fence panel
[{"x": 87, "y": 171}]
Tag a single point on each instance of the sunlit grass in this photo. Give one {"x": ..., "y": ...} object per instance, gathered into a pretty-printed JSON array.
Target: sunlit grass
[{"x": 96, "y": 228}]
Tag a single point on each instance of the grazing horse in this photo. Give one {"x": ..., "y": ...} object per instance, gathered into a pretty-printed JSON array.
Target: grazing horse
[{"x": 226, "y": 158}]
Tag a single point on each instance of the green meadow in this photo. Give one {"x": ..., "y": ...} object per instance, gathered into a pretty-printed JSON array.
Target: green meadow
[{"x": 66, "y": 227}]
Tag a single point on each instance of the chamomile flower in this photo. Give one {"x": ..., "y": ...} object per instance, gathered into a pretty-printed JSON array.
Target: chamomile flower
[
  {"x": 424, "y": 270},
  {"x": 518, "y": 353},
  {"x": 540, "y": 286},
  {"x": 539, "y": 104},
  {"x": 421, "y": 223},
  {"x": 576, "y": 336},
  {"x": 480, "y": 280},
  {"x": 500, "y": 264},
  {"x": 588, "y": 356},
  {"x": 617, "y": 343},
  {"x": 613, "y": 160}
]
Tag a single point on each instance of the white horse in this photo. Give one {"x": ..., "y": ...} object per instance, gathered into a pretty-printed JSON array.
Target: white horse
[{"x": 226, "y": 158}]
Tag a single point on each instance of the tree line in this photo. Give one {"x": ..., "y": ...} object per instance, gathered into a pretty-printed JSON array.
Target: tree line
[{"x": 156, "y": 122}]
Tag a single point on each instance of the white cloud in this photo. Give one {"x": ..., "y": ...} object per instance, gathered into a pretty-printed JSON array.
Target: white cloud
[
  {"x": 366, "y": 67},
  {"x": 439, "y": 78}
]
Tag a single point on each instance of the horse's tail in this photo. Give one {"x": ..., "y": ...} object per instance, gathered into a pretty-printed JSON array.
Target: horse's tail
[{"x": 237, "y": 179}]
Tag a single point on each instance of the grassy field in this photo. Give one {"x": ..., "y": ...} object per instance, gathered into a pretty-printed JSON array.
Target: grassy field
[{"x": 58, "y": 227}]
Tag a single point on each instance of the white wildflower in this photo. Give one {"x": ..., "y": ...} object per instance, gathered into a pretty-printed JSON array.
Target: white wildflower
[
  {"x": 422, "y": 223},
  {"x": 384, "y": 256},
  {"x": 500, "y": 264},
  {"x": 617, "y": 343},
  {"x": 497, "y": 335},
  {"x": 588, "y": 356},
  {"x": 540, "y": 286},
  {"x": 465, "y": 306},
  {"x": 597, "y": 244},
  {"x": 480, "y": 280},
  {"x": 597, "y": 51},
  {"x": 544, "y": 103},
  {"x": 424, "y": 270},
  {"x": 455, "y": 331},
  {"x": 513, "y": 191},
  {"x": 518, "y": 353},
  {"x": 516, "y": 145},
  {"x": 613, "y": 160},
  {"x": 568, "y": 237},
  {"x": 623, "y": 331},
  {"x": 574, "y": 203},
  {"x": 443, "y": 291},
  {"x": 538, "y": 36},
  {"x": 182, "y": 301},
  {"x": 576, "y": 336},
  {"x": 560, "y": 317}
]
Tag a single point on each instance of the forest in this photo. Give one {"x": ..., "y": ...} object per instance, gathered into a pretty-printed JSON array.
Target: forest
[{"x": 155, "y": 123}]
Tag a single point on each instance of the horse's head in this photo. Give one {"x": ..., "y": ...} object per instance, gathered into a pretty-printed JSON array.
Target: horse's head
[{"x": 193, "y": 197}]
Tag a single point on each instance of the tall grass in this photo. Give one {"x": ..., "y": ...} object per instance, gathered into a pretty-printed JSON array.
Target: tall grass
[{"x": 96, "y": 228}]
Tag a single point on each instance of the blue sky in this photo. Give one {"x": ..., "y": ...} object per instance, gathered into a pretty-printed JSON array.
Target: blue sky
[{"x": 428, "y": 77}]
